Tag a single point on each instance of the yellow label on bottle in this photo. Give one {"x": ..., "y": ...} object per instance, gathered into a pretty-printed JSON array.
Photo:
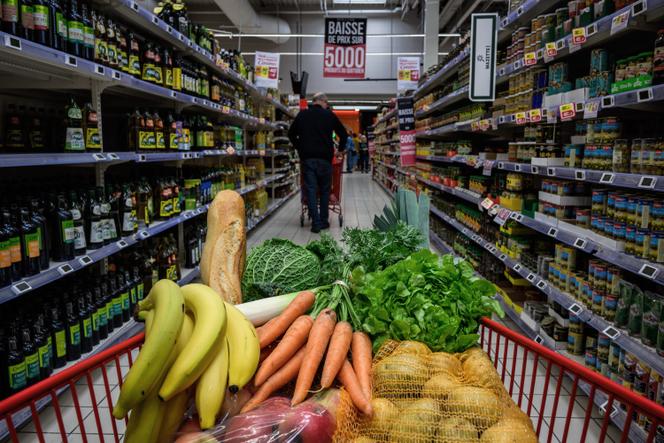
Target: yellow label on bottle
[
  {"x": 146, "y": 140},
  {"x": 173, "y": 141},
  {"x": 177, "y": 79},
  {"x": 60, "y": 344},
  {"x": 168, "y": 77},
  {"x": 160, "y": 140},
  {"x": 92, "y": 138}
]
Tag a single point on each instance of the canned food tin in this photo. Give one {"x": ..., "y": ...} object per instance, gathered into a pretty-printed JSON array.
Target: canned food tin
[
  {"x": 609, "y": 306},
  {"x": 635, "y": 157},
  {"x": 656, "y": 249},
  {"x": 575, "y": 343},
  {"x": 657, "y": 216},
  {"x": 642, "y": 243},
  {"x": 597, "y": 301},
  {"x": 630, "y": 239},
  {"x": 614, "y": 356},
  {"x": 619, "y": 231},
  {"x": 643, "y": 213},
  {"x": 599, "y": 201},
  {"x": 583, "y": 217},
  {"x": 632, "y": 203}
]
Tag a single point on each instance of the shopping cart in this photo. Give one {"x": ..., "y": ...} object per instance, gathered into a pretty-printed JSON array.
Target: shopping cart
[
  {"x": 335, "y": 192},
  {"x": 526, "y": 381}
]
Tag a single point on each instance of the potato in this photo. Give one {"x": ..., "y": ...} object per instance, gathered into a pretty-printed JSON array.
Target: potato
[
  {"x": 412, "y": 347},
  {"x": 480, "y": 371},
  {"x": 363, "y": 439},
  {"x": 508, "y": 431},
  {"x": 478, "y": 405},
  {"x": 439, "y": 386},
  {"x": 473, "y": 352},
  {"x": 383, "y": 417},
  {"x": 400, "y": 376},
  {"x": 417, "y": 423},
  {"x": 456, "y": 430},
  {"x": 444, "y": 362},
  {"x": 514, "y": 413}
]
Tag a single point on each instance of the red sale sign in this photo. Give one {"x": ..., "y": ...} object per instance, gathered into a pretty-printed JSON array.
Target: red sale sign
[{"x": 345, "y": 51}]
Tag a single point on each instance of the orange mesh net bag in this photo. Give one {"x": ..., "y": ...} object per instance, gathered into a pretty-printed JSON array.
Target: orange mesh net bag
[{"x": 421, "y": 396}]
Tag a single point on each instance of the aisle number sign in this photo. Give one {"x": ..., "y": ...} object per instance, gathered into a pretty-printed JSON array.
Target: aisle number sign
[
  {"x": 483, "y": 31},
  {"x": 579, "y": 36},
  {"x": 535, "y": 115},
  {"x": 567, "y": 111},
  {"x": 408, "y": 73},
  {"x": 406, "y": 130},
  {"x": 530, "y": 58},
  {"x": 345, "y": 49},
  {"x": 266, "y": 71}
]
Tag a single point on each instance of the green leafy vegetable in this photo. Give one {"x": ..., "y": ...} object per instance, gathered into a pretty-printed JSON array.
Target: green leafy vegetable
[
  {"x": 436, "y": 300},
  {"x": 331, "y": 256},
  {"x": 279, "y": 266},
  {"x": 406, "y": 207}
]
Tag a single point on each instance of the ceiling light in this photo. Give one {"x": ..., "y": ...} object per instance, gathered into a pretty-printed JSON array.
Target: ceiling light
[
  {"x": 354, "y": 108},
  {"x": 358, "y": 2}
]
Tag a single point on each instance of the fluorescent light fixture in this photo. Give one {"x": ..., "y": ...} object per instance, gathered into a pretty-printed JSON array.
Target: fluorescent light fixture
[
  {"x": 353, "y": 108},
  {"x": 368, "y": 53},
  {"x": 240, "y": 35},
  {"x": 358, "y": 2}
]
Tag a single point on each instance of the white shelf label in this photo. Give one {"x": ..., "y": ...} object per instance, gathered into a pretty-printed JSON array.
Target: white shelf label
[
  {"x": 644, "y": 95},
  {"x": 591, "y": 30},
  {"x": 517, "y": 167},
  {"x": 560, "y": 44},
  {"x": 143, "y": 234},
  {"x": 648, "y": 271},
  {"x": 575, "y": 309},
  {"x": 134, "y": 6},
  {"x": 519, "y": 217},
  {"x": 169, "y": 29},
  {"x": 116, "y": 75},
  {"x": 21, "y": 287},
  {"x": 487, "y": 203},
  {"x": 538, "y": 339},
  {"x": 552, "y": 232},
  {"x": 580, "y": 243},
  {"x": 517, "y": 267},
  {"x": 639, "y": 7},
  {"x": 502, "y": 257},
  {"x": 534, "y": 170},
  {"x": 647, "y": 182},
  {"x": 98, "y": 157},
  {"x": 541, "y": 284},
  {"x": 607, "y": 178},
  {"x": 611, "y": 332},
  {"x": 99, "y": 70},
  {"x": 174, "y": 94},
  {"x": 531, "y": 277},
  {"x": 155, "y": 20},
  {"x": 608, "y": 101},
  {"x": 620, "y": 22},
  {"x": 13, "y": 42},
  {"x": 65, "y": 269},
  {"x": 501, "y": 165},
  {"x": 113, "y": 156},
  {"x": 580, "y": 174},
  {"x": 121, "y": 244},
  {"x": 551, "y": 172},
  {"x": 70, "y": 60},
  {"x": 590, "y": 109},
  {"x": 85, "y": 260},
  {"x": 141, "y": 158}
]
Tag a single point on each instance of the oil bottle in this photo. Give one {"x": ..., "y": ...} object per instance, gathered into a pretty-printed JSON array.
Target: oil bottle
[
  {"x": 59, "y": 338},
  {"x": 92, "y": 309},
  {"x": 160, "y": 141},
  {"x": 108, "y": 291},
  {"x": 36, "y": 133},
  {"x": 75, "y": 34},
  {"x": 88, "y": 48},
  {"x": 135, "y": 124},
  {"x": 93, "y": 223},
  {"x": 158, "y": 75},
  {"x": 41, "y": 14},
  {"x": 76, "y": 209},
  {"x": 73, "y": 329},
  {"x": 134, "y": 55},
  {"x": 148, "y": 135},
  {"x": 27, "y": 20},
  {"x": 5, "y": 257},
  {"x": 59, "y": 21},
  {"x": 15, "y": 140},
  {"x": 101, "y": 48},
  {"x": 85, "y": 323},
  {"x": 124, "y": 285},
  {"x": 109, "y": 228},
  {"x": 43, "y": 349},
  {"x": 74, "y": 139},
  {"x": 29, "y": 242},
  {"x": 39, "y": 219},
  {"x": 123, "y": 49},
  {"x": 144, "y": 203},
  {"x": 100, "y": 306},
  {"x": 64, "y": 232},
  {"x": 167, "y": 67},
  {"x": 32, "y": 371},
  {"x": 91, "y": 128},
  {"x": 148, "y": 63},
  {"x": 10, "y": 14},
  {"x": 170, "y": 129},
  {"x": 177, "y": 196},
  {"x": 115, "y": 317},
  {"x": 139, "y": 284},
  {"x": 111, "y": 44},
  {"x": 16, "y": 370}
]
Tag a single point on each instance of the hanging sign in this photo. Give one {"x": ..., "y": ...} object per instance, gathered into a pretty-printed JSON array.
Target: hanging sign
[
  {"x": 408, "y": 73},
  {"x": 266, "y": 71},
  {"x": 345, "y": 50},
  {"x": 406, "y": 130},
  {"x": 483, "y": 57}
]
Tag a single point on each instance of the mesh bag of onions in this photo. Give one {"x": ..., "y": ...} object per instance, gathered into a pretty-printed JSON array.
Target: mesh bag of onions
[{"x": 421, "y": 396}]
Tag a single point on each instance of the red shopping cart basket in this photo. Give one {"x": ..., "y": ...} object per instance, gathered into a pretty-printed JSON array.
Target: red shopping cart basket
[
  {"x": 335, "y": 192},
  {"x": 529, "y": 372}
]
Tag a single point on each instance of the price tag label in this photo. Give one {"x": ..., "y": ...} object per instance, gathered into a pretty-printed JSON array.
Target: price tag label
[
  {"x": 580, "y": 174},
  {"x": 538, "y": 339},
  {"x": 567, "y": 111},
  {"x": 531, "y": 277},
  {"x": 520, "y": 118},
  {"x": 487, "y": 203},
  {"x": 575, "y": 309},
  {"x": 649, "y": 271},
  {"x": 143, "y": 234},
  {"x": 620, "y": 22},
  {"x": 99, "y": 157},
  {"x": 535, "y": 115},
  {"x": 611, "y": 332},
  {"x": 644, "y": 95},
  {"x": 541, "y": 284},
  {"x": 502, "y": 257},
  {"x": 21, "y": 287},
  {"x": 517, "y": 267},
  {"x": 65, "y": 269},
  {"x": 590, "y": 109},
  {"x": 113, "y": 156},
  {"x": 534, "y": 170},
  {"x": 580, "y": 243},
  {"x": 552, "y": 232},
  {"x": 261, "y": 121},
  {"x": 647, "y": 182},
  {"x": 115, "y": 75},
  {"x": 502, "y": 216},
  {"x": 607, "y": 178},
  {"x": 579, "y": 36},
  {"x": 530, "y": 58},
  {"x": 13, "y": 42},
  {"x": 99, "y": 70},
  {"x": 155, "y": 20},
  {"x": 71, "y": 61},
  {"x": 551, "y": 49},
  {"x": 121, "y": 244},
  {"x": 225, "y": 110},
  {"x": 639, "y": 7},
  {"x": 134, "y": 6},
  {"x": 85, "y": 260},
  {"x": 551, "y": 116}
]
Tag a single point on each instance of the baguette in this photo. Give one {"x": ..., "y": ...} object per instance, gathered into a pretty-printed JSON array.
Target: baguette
[{"x": 222, "y": 262}]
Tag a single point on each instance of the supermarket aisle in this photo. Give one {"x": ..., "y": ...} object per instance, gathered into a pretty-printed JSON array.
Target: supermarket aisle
[{"x": 361, "y": 198}]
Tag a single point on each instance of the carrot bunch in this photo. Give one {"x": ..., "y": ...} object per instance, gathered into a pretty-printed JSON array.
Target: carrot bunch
[{"x": 306, "y": 341}]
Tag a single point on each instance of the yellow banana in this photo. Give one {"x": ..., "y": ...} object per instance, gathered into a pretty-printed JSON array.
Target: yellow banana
[
  {"x": 145, "y": 421},
  {"x": 175, "y": 410},
  {"x": 243, "y": 349},
  {"x": 211, "y": 387},
  {"x": 209, "y": 324},
  {"x": 168, "y": 303}
]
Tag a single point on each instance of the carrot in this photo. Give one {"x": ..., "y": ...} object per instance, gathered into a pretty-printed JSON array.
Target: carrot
[
  {"x": 261, "y": 329},
  {"x": 294, "y": 339},
  {"x": 361, "y": 350},
  {"x": 348, "y": 378},
  {"x": 273, "y": 329},
  {"x": 313, "y": 353},
  {"x": 280, "y": 378},
  {"x": 336, "y": 352}
]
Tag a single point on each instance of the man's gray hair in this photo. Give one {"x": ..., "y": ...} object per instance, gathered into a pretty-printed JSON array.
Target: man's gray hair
[{"x": 320, "y": 96}]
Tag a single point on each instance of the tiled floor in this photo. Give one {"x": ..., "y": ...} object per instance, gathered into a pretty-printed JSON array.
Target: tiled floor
[{"x": 362, "y": 198}]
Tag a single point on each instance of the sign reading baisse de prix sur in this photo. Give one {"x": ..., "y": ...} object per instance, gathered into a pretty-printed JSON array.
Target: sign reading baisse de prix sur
[{"x": 345, "y": 51}]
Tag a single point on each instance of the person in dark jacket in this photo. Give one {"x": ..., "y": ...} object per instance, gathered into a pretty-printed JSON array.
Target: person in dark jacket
[{"x": 311, "y": 134}]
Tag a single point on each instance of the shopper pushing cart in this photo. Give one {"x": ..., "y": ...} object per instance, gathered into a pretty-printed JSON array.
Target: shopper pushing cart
[{"x": 311, "y": 134}]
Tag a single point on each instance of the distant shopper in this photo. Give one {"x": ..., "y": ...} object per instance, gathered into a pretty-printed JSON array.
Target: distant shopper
[
  {"x": 311, "y": 134},
  {"x": 350, "y": 153},
  {"x": 364, "y": 154}
]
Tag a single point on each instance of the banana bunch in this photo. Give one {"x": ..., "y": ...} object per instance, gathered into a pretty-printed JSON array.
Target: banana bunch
[{"x": 196, "y": 345}]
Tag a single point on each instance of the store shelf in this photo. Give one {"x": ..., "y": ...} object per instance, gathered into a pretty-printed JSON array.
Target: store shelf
[
  {"x": 276, "y": 204},
  {"x": 443, "y": 73},
  {"x": 441, "y": 103},
  {"x": 383, "y": 187},
  {"x": 521, "y": 16},
  {"x": 388, "y": 115},
  {"x": 459, "y": 192},
  {"x": 463, "y": 126},
  {"x": 439, "y": 244},
  {"x": 57, "y": 270}
]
